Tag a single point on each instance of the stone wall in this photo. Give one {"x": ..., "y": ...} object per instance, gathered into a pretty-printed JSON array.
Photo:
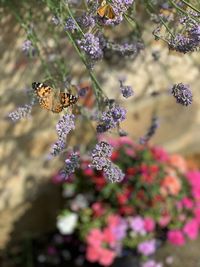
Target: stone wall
[{"x": 28, "y": 201}]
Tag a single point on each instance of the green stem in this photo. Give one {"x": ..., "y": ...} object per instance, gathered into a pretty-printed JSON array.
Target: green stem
[
  {"x": 166, "y": 26},
  {"x": 163, "y": 22},
  {"x": 34, "y": 40},
  {"x": 97, "y": 86},
  {"x": 183, "y": 11},
  {"x": 72, "y": 16},
  {"x": 191, "y": 6}
]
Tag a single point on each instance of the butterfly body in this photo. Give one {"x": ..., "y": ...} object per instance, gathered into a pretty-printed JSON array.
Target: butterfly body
[
  {"x": 106, "y": 10},
  {"x": 51, "y": 100}
]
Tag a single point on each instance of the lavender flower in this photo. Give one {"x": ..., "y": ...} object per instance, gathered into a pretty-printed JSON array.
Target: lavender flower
[
  {"x": 195, "y": 32},
  {"x": 126, "y": 90},
  {"x": 182, "y": 93},
  {"x": 55, "y": 20},
  {"x": 119, "y": 8},
  {"x": 111, "y": 118},
  {"x": 188, "y": 42},
  {"x": 86, "y": 20},
  {"x": 70, "y": 25},
  {"x": 28, "y": 48},
  {"x": 21, "y": 112},
  {"x": 90, "y": 44},
  {"x": 125, "y": 49},
  {"x": 102, "y": 149},
  {"x": 100, "y": 161},
  {"x": 147, "y": 247},
  {"x": 63, "y": 127},
  {"x": 113, "y": 173},
  {"x": 151, "y": 131},
  {"x": 57, "y": 147},
  {"x": 183, "y": 44},
  {"x": 71, "y": 164}
]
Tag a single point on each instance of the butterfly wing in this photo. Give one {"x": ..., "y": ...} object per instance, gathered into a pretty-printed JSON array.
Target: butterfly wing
[
  {"x": 110, "y": 14},
  {"x": 101, "y": 11},
  {"x": 45, "y": 95},
  {"x": 106, "y": 10},
  {"x": 67, "y": 99},
  {"x": 51, "y": 101}
]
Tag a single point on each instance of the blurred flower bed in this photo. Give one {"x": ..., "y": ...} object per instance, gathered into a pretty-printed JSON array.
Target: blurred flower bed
[
  {"x": 157, "y": 201},
  {"x": 120, "y": 224}
]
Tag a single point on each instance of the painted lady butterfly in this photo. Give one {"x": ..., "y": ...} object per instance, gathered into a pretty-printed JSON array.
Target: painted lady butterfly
[{"x": 51, "y": 100}]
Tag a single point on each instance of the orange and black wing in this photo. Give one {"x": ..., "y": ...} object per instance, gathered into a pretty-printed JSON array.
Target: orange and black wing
[
  {"x": 44, "y": 94},
  {"x": 67, "y": 99}
]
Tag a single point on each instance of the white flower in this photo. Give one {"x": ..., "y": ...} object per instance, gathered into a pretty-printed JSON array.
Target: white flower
[
  {"x": 67, "y": 223},
  {"x": 79, "y": 202}
]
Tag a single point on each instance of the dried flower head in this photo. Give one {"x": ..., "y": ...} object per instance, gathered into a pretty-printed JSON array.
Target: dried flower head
[{"x": 151, "y": 131}]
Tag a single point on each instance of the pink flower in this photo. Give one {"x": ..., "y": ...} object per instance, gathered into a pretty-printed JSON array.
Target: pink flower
[
  {"x": 176, "y": 237},
  {"x": 106, "y": 257},
  {"x": 191, "y": 229},
  {"x": 197, "y": 214},
  {"x": 113, "y": 220},
  {"x": 92, "y": 253},
  {"x": 164, "y": 220},
  {"x": 187, "y": 202},
  {"x": 194, "y": 178},
  {"x": 178, "y": 162},
  {"x": 149, "y": 224},
  {"x": 147, "y": 247},
  {"x": 126, "y": 140},
  {"x": 137, "y": 224},
  {"x": 109, "y": 236},
  {"x": 95, "y": 237},
  {"x": 130, "y": 152},
  {"x": 98, "y": 254},
  {"x": 159, "y": 154},
  {"x": 196, "y": 192},
  {"x": 88, "y": 172}
]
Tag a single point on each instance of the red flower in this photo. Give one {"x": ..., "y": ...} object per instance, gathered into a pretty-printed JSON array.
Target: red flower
[
  {"x": 147, "y": 178},
  {"x": 98, "y": 209},
  {"x": 141, "y": 195},
  {"x": 154, "y": 169},
  {"x": 126, "y": 210},
  {"x": 131, "y": 171},
  {"x": 115, "y": 155},
  {"x": 122, "y": 198},
  {"x": 99, "y": 181}
]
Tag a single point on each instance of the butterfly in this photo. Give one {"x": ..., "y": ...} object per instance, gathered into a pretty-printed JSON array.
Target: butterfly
[
  {"x": 50, "y": 100},
  {"x": 106, "y": 10}
]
